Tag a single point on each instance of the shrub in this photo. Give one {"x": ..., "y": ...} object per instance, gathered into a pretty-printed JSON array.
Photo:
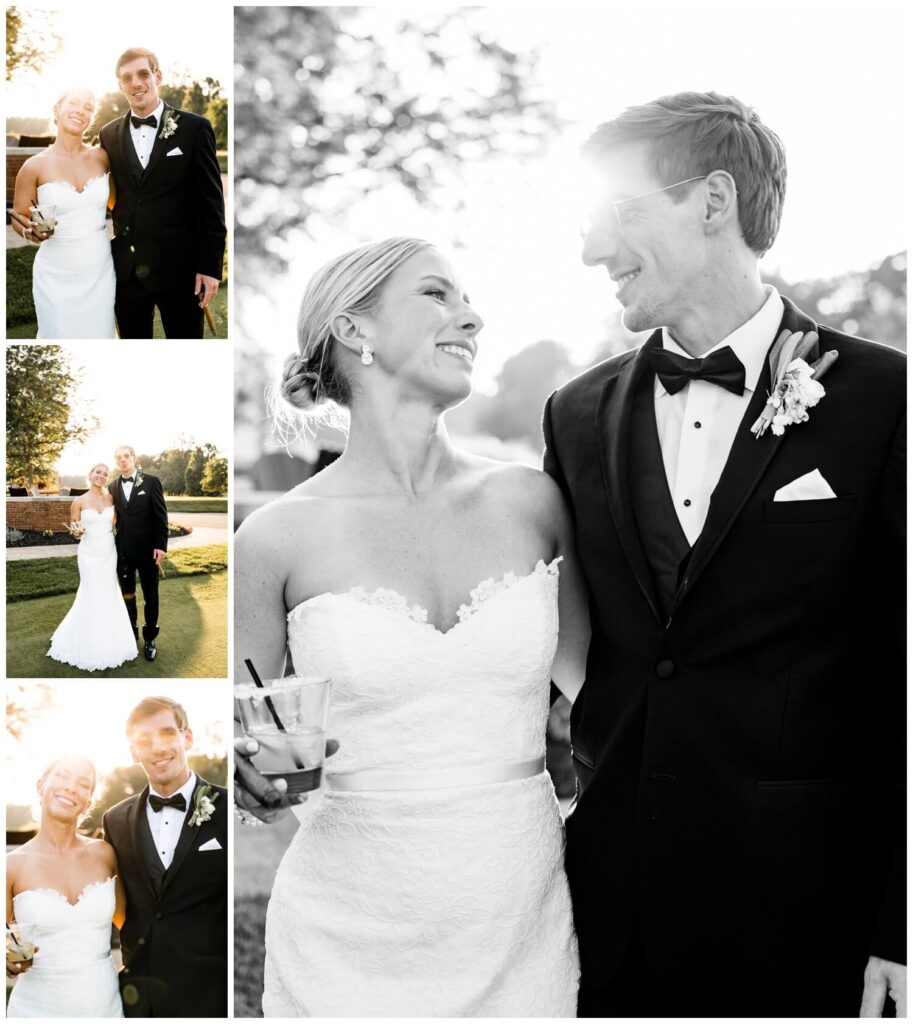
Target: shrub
[{"x": 13, "y": 537}]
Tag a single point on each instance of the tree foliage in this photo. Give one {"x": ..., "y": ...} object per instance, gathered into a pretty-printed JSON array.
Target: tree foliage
[
  {"x": 29, "y": 42},
  {"x": 215, "y": 477},
  {"x": 334, "y": 102},
  {"x": 40, "y": 414},
  {"x": 185, "y": 469}
]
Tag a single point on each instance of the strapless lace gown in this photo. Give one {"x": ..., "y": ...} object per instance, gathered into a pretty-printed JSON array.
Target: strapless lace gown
[
  {"x": 73, "y": 973},
  {"x": 73, "y": 275},
  {"x": 418, "y": 886},
  {"x": 96, "y": 632}
]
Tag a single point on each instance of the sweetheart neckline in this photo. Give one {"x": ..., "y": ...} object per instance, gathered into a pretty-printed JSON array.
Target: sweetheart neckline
[
  {"x": 398, "y": 604},
  {"x": 57, "y": 892},
  {"x": 95, "y": 510},
  {"x": 78, "y": 191}
]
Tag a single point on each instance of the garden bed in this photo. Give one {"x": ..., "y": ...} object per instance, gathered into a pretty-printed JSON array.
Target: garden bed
[{"x": 51, "y": 538}]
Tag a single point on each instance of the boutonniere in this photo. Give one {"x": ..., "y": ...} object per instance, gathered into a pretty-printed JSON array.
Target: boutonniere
[
  {"x": 203, "y": 806},
  {"x": 169, "y": 125},
  {"x": 797, "y": 388}
]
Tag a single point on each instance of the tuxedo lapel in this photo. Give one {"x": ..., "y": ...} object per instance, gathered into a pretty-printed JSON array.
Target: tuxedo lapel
[
  {"x": 185, "y": 840},
  {"x": 136, "y": 822},
  {"x": 748, "y": 458},
  {"x": 159, "y": 145},
  {"x": 613, "y": 423},
  {"x": 129, "y": 150}
]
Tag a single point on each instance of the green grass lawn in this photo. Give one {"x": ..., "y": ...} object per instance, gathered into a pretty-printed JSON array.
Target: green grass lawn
[
  {"x": 32, "y": 578},
  {"x": 183, "y": 504},
  {"x": 20, "y": 310},
  {"x": 192, "y": 643}
]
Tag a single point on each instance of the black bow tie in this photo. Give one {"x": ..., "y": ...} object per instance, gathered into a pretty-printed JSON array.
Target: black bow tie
[
  {"x": 722, "y": 367},
  {"x": 137, "y": 121},
  {"x": 158, "y": 802},
  {"x": 126, "y": 479}
]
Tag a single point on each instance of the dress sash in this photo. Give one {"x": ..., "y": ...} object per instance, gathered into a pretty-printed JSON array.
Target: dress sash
[{"x": 445, "y": 778}]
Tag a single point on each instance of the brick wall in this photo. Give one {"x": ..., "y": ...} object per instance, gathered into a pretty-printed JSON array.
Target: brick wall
[
  {"x": 15, "y": 158},
  {"x": 38, "y": 513}
]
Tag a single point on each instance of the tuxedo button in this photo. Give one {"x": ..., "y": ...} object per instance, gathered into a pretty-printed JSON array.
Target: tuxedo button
[
  {"x": 665, "y": 669},
  {"x": 159, "y": 915}
]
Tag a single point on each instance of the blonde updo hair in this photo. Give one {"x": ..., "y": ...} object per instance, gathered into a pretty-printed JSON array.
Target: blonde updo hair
[
  {"x": 350, "y": 283},
  {"x": 92, "y": 470}
]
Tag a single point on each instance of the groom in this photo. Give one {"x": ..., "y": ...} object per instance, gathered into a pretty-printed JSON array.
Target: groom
[
  {"x": 141, "y": 540},
  {"x": 736, "y": 848},
  {"x": 171, "y": 843},
  {"x": 169, "y": 214}
]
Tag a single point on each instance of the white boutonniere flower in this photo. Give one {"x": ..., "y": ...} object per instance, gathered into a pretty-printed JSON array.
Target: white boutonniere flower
[
  {"x": 203, "y": 806},
  {"x": 797, "y": 388},
  {"x": 169, "y": 125}
]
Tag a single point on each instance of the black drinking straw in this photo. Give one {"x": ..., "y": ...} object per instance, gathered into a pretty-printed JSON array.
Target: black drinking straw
[{"x": 272, "y": 710}]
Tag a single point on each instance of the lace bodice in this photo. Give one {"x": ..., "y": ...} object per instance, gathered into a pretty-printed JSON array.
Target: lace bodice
[
  {"x": 68, "y": 935},
  {"x": 79, "y": 213},
  {"x": 397, "y": 678}
]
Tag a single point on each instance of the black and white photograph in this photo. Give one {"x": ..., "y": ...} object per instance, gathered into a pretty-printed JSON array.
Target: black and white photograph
[
  {"x": 116, "y": 171},
  {"x": 570, "y": 375}
]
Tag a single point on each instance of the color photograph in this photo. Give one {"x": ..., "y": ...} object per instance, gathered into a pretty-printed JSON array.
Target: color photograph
[
  {"x": 117, "y": 172},
  {"x": 117, "y": 510},
  {"x": 116, "y": 836}
]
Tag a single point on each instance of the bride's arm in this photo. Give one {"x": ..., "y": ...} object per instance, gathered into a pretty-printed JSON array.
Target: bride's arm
[
  {"x": 75, "y": 512},
  {"x": 112, "y": 189},
  {"x": 26, "y": 196},
  {"x": 569, "y": 666},
  {"x": 10, "y": 879},
  {"x": 261, "y": 566}
]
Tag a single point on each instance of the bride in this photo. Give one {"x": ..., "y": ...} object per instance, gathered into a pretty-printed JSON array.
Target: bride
[
  {"x": 424, "y": 581},
  {"x": 96, "y": 631},
  {"x": 65, "y": 888},
  {"x": 73, "y": 275}
]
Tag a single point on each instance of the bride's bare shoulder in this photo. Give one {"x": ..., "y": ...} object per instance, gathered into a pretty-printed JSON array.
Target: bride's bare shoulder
[
  {"x": 296, "y": 513},
  {"x": 515, "y": 482}
]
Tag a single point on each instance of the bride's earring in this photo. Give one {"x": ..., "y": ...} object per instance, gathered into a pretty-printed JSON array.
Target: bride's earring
[{"x": 367, "y": 355}]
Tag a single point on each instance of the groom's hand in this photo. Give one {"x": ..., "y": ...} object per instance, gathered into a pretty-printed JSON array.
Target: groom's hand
[
  {"x": 205, "y": 289},
  {"x": 158, "y": 556},
  {"x": 883, "y": 977}
]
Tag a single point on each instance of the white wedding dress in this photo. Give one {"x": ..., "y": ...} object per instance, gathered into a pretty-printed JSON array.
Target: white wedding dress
[
  {"x": 73, "y": 973},
  {"x": 73, "y": 275},
  {"x": 428, "y": 879},
  {"x": 96, "y": 631}
]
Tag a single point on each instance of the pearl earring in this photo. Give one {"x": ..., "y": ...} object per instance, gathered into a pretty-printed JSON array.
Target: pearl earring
[{"x": 367, "y": 355}]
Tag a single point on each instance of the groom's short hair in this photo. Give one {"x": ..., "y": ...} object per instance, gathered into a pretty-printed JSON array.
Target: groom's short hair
[
  {"x": 132, "y": 54},
  {"x": 121, "y": 447},
  {"x": 150, "y": 706},
  {"x": 691, "y": 134}
]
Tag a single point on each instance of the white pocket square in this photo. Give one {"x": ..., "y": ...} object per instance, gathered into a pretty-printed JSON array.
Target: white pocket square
[
  {"x": 138, "y": 493},
  {"x": 809, "y": 487},
  {"x": 211, "y": 844},
  {"x": 174, "y": 152}
]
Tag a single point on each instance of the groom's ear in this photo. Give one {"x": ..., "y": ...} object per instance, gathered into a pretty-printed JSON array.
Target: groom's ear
[
  {"x": 188, "y": 738},
  {"x": 348, "y": 330},
  {"x": 720, "y": 201}
]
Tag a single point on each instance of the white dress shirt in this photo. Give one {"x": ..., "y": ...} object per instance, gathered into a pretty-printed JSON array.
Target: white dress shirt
[
  {"x": 698, "y": 424},
  {"x": 144, "y": 136},
  {"x": 166, "y": 824},
  {"x": 127, "y": 485}
]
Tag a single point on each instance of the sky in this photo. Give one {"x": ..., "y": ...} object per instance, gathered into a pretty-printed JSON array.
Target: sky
[
  {"x": 191, "y": 37},
  {"x": 830, "y": 79},
  {"x": 149, "y": 394},
  {"x": 88, "y": 716}
]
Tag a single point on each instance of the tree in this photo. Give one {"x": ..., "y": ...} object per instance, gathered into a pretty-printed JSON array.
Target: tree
[
  {"x": 29, "y": 42},
  {"x": 524, "y": 383},
  {"x": 334, "y": 102},
  {"x": 25, "y": 703},
  {"x": 40, "y": 414},
  {"x": 215, "y": 477},
  {"x": 193, "y": 474}
]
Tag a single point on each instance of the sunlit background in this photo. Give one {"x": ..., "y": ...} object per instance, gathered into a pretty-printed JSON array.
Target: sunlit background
[
  {"x": 45, "y": 720},
  {"x": 191, "y": 41},
  {"x": 462, "y": 125},
  {"x": 148, "y": 397}
]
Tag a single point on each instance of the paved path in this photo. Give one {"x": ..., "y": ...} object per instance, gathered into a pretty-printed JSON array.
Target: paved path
[{"x": 208, "y": 528}]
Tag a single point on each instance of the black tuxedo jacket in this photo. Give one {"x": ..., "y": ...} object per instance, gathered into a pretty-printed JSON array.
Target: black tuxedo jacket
[
  {"x": 169, "y": 219},
  {"x": 740, "y": 760},
  {"x": 142, "y": 522},
  {"x": 175, "y": 936}
]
